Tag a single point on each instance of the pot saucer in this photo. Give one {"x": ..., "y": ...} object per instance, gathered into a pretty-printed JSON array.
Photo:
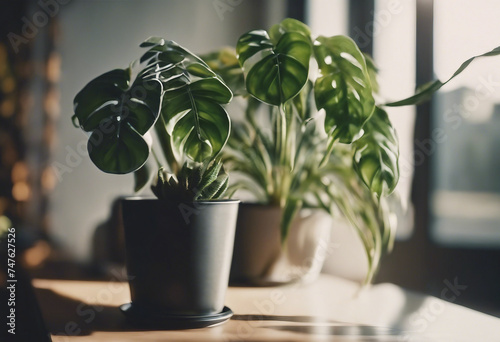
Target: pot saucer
[{"x": 154, "y": 320}]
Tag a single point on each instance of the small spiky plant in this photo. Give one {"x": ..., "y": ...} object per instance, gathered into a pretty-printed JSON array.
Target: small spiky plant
[{"x": 195, "y": 182}]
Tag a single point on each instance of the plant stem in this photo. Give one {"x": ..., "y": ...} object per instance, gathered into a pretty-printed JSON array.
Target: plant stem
[
  {"x": 166, "y": 146},
  {"x": 329, "y": 150},
  {"x": 282, "y": 135},
  {"x": 284, "y": 162},
  {"x": 156, "y": 157},
  {"x": 291, "y": 140}
]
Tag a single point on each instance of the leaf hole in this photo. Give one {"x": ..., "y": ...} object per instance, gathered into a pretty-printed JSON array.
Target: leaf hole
[{"x": 351, "y": 59}]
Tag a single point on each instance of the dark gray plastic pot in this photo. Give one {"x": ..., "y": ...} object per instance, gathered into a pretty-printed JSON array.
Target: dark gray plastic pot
[{"x": 178, "y": 256}]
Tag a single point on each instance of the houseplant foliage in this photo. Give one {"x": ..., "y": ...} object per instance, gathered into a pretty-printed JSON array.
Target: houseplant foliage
[
  {"x": 179, "y": 262},
  {"x": 173, "y": 93},
  {"x": 314, "y": 132}
]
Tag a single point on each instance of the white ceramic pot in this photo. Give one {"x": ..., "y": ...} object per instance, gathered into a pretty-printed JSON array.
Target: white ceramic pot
[
  {"x": 348, "y": 259},
  {"x": 259, "y": 257}
]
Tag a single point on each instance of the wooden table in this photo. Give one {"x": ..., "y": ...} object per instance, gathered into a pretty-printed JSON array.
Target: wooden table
[{"x": 328, "y": 309}]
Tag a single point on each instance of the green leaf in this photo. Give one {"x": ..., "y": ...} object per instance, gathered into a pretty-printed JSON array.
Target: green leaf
[
  {"x": 152, "y": 41},
  {"x": 344, "y": 90},
  {"x": 183, "y": 176},
  {"x": 118, "y": 117},
  {"x": 252, "y": 42},
  {"x": 210, "y": 175},
  {"x": 142, "y": 176},
  {"x": 223, "y": 188},
  {"x": 120, "y": 150},
  {"x": 291, "y": 209},
  {"x": 200, "y": 70},
  {"x": 376, "y": 154},
  {"x": 225, "y": 64},
  {"x": 274, "y": 73},
  {"x": 425, "y": 93},
  {"x": 372, "y": 72},
  {"x": 302, "y": 102},
  {"x": 288, "y": 25},
  {"x": 250, "y": 152},
  {"x": 101, "y": 90},
  {"x": 192, "y": 109},
  {"x": 198, "y": 124},
  {"x": 194, "y": 178},
  {"x": 214, "y": 188}
]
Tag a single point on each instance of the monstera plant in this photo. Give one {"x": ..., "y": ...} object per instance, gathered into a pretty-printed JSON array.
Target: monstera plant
[
  {"x": 173, "y": 241},
  {"x": 176, "y": 95},
  {"x": 314, "y": 134}
]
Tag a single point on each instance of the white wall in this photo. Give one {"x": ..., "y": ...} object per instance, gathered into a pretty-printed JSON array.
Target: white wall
[{"x": 98, "y": 36}]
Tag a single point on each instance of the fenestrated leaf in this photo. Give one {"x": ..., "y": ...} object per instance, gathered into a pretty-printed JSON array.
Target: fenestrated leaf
[
  {"x": 344, "y": 90},
  {"x": 376, "y": 154},
  {"x": 425, "y": 93},
  {"x": 121, "y": 149},
  {"x": 118, "y": 116},
  {"x": 252, "y": 42},
  {"x": 168, "y": 52},
  {"x": 101, "y": 90},
  {"x": 192, "y": 103},
  {"x": 196, "y": 121},
  {"x": 200, "y": 70},
  {"x": 288, "y": 25},
  {"x": 372, "y": 72},
  {"x": 274, "y": 73},
  {"x": 152, "y": 41}
]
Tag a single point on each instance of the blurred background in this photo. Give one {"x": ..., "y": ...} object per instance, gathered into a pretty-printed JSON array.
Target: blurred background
[{"x": 64, "y": 208}]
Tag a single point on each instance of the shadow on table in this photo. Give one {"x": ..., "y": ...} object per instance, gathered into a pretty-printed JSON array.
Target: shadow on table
[
  {"x": 339, "y": 330},
  {"x": 69, "y": 317},
  {"x": 321, "y": 326},
  {"x": 299, "y": 319}
]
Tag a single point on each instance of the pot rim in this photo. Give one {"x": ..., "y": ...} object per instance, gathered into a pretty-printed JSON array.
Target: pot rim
[
  {"x": 275, "y": 207},
  {"x": 154, "y": 199}
]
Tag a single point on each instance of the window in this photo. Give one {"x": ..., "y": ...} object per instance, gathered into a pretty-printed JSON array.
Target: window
[{"x": 465, "y": 140}]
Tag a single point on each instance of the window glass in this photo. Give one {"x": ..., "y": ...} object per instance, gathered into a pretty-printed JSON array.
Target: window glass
[{"x": 465, "y": 138}]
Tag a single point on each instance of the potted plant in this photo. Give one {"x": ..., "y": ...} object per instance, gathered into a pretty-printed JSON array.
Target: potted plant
[
  {"x": 179, "y": 245},
  {"x": 314, "y": 136}
]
